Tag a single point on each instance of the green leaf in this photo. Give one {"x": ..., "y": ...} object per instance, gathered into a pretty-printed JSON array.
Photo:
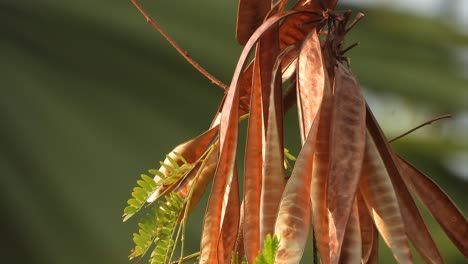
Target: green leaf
[
  {"x": 177, "y": 154},
  {"x": 154, "y": 171},
  {"x": 148, "y": 180},
  {"x": 270, "y": 246},
  {"x": 147, "y": 185},
  {"x": 235, "y": 259},
  {"x": 140, "y": 194},
  {"x": 288, "y": 155},
  {"x": 172, "y": 161},
  {"x": 157, "y": 228},
  {"x": 168, "y": 167}
]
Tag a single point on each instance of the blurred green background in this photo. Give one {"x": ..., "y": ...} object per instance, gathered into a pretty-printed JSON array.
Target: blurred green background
[{"x": 92, "y": 96}]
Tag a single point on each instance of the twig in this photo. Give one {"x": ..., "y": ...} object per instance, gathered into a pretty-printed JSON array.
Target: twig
[
  {"x": 421, "y": 125},
  {"x": 358, "y": 18},
  {"x": 187, "y": 258},
  {"x": 349, "y": 48},
  {"x": 178, "y": 48}
]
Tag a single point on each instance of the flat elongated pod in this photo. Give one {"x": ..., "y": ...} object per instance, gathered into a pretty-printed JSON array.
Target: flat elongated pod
[
  {"x": 294, "y": 29},
  {"x": 347, "y": 144},
  {"x": 245, "y": 86},
  {"x": 273, "y": 170},
  {"x": 255, "y": 148},
  {"x": 292, "y": 224},
  {"x": 374, "y": 253},
  {"x": 230, "y": 223},
  {"x": 222, "y": 179},
  {"x": 253, "y": 171},
  {"x": 439, "y": 205},
  {"x": 311, "y": 81},
  {"x": 319, "y": 183},
  {"x": 369, "y": 234},
  {"x": 416, "y": 229},
  {"x": 228, "y": 141},
  {"x": 250, "y": 15},
  {"x": 379, "y": 194},
  {"x": 266, "y": 57},
  {"x": 239, "y": 248},
  {"x": 414, "y": 224},
  {"x": 351, "y": 251},
  {"x": 190, "y": 150}
]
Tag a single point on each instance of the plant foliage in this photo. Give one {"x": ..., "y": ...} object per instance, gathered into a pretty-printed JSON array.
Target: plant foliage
[
  {"x": 147, "y": 186},
  {"x": 270, "y": 247},
  {"x": 347, "y": 181},
  {"x": 157, "y": 228}
]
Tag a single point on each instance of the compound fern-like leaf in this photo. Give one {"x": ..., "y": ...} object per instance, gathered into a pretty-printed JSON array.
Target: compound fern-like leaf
[
  {"x": 139, "y": 195},
  {"x": 147, "y": 186},
  {"x": 158, "y": 227},
  {"x": 169, "y": 212}
]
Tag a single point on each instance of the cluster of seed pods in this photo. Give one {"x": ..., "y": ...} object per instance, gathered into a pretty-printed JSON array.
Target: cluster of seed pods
[{"x": 347, "y": 183}]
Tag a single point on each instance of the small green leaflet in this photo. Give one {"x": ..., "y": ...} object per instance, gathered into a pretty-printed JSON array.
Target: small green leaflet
[
  {"x": 235, "y": 259},
  {"x": 267, "y": 256},
  {"x": 270, "y": 246},
  {"x": 147, "y": 186},
  {"x": 288, "y": 155},
  {"x": 287, "y": 158},
  {"x": 140, "y": 194}
]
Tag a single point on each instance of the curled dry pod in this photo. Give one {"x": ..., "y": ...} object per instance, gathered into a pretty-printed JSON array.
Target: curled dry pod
[
  {"x": 250, "y": 15},
  {"x": 311, "y": 81},
  {"x": 197, "y": 181},
  {"x": 379, "y": 194},
  {"x": 294, "y": 29},
  {"x": 347, "y": 144},
  {"x": 190, "y": 150}
]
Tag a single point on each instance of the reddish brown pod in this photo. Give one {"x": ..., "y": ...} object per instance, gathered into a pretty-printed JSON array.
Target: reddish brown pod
[{"x": 347, "y": 183}]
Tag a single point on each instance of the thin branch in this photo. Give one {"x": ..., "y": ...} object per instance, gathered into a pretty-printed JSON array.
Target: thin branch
[
  {"x": 350, "y": 47},
  {"x": 358, "y": 18},
  {"x": 421, "y": 125},
  {"x": 178, "y": 48},
  {"x": 187, "y": 258}
]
